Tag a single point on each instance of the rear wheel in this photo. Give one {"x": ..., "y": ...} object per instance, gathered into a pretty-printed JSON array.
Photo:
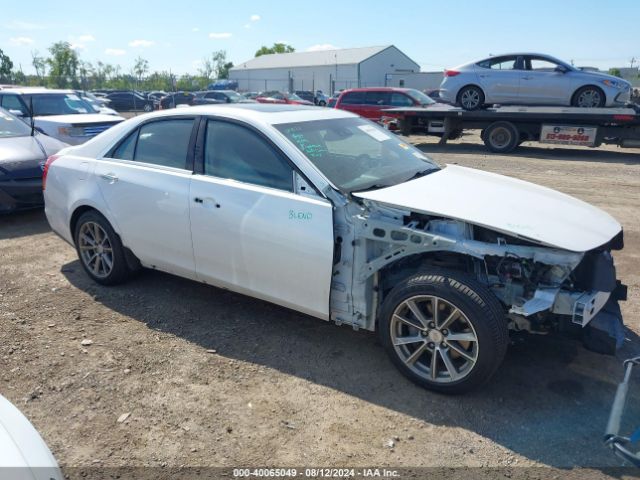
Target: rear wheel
[
  {"x": 589, "y": 97},
  {"x": 501, "y": 137},
  {"x": 444, "y": 331},
  {"x": 471, "y": 97},
  {"x": 100, "y": 250},
  {"x": 148, "y": 108}
]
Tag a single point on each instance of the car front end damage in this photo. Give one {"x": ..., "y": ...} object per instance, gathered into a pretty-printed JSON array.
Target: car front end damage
[{"x": 542, "y": 289}]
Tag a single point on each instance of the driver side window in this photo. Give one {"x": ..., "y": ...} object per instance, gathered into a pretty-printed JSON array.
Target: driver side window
[{"x": 236, "y": 152}]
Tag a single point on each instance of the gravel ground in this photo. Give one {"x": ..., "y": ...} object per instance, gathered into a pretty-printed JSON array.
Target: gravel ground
[{"x": 167, "y": 372}]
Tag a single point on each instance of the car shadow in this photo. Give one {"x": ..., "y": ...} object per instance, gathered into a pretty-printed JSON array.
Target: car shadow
[
  {"x": 529, "y": 150},
  {"x": 549, "y": 402},
  {"x": 23, "y": 224}
]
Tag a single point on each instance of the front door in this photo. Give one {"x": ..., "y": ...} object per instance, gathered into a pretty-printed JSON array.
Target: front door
[
  {"x": 145, "y": 185},
  {"x": 251, "y": 233},
  {"x": 545, "y": 82}
]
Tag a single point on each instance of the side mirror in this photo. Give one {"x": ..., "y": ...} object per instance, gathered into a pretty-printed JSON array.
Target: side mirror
[
  {"x": 17, "y": 113},
  {"x": 560, "y": 69}
]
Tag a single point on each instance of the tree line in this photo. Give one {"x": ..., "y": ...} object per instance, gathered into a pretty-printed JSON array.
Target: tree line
[{"x": 63, "y": 68}]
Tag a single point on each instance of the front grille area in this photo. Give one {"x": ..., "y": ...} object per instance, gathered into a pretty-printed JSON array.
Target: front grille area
[{"x": 93, "y": 129}]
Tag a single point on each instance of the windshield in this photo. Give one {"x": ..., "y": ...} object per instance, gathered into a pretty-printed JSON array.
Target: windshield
[
  {"x": 58, "y": 104},
  {"x": 293, "y": 96},
  {"x": 356, "y": 154},
  {"x": 235, "y": 97},
  {"x": 11, "y": 126},
  {"x": 420, "y": 97}
]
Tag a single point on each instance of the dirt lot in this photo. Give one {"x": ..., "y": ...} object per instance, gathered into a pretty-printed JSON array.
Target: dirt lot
[{"x": 209, "y": 377}]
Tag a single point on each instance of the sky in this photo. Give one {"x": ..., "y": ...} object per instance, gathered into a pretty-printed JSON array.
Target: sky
[{"x": 436, "y": 34}]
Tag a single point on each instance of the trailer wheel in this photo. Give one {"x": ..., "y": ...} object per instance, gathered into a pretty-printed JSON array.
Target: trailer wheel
[{"x": 501, "y": 137}]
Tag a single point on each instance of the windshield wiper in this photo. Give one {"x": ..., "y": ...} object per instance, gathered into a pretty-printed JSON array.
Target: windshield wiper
[{"x": 422, "y": 173}]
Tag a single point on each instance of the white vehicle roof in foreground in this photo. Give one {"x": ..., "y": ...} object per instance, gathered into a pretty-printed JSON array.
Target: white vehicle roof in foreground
[
  {"x": 38, "y": 90},
  {"x": 22, "y": 447}
]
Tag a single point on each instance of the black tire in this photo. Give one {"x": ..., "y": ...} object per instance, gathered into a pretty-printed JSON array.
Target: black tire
[
  {"x": 322, "y": 103},
  {"x": 481, "y": 310},
  {"x": 470, "y": 97},
  {"x": 583, "y": 94},
  {"x": 501, "y": 137},
  {"x": 119, "y": 271}
]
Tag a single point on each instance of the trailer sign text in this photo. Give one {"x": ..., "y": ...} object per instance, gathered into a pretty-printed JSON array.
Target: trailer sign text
[{"x": 568, "y": 135}]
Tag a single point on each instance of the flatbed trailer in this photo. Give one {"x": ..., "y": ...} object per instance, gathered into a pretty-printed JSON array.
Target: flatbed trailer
[{"x": 505, "y": 128}]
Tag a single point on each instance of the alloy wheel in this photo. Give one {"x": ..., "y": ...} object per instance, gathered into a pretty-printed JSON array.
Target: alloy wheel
[
  {"x": 470, "y": 99},
  {"x": 96, "y": 250},
  {"x": 434, "y": 338},
  {"x": 589, "y": 99}
]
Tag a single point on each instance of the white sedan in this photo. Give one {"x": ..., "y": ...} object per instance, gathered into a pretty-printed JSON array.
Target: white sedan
[{"x": 322, "y": 211}]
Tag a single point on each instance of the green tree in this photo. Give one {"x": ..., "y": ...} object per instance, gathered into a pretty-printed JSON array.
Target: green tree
[
  {"x": 63, "y": 65},
  {"x": 615, "y": 72},
  {"x": 276, "y": 48},
  {"x": 6, "y": 66},
  {"x": 140, "y": 68},
  {"x": 39, "y": 64}
]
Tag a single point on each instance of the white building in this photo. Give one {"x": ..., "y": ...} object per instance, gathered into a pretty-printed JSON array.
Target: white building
[{"x": 326, "y": 70}]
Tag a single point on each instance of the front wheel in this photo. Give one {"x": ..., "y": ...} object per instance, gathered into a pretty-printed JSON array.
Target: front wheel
[
  {"x": 589, "y": 97},
  {"x": 148, "y": 108},
  {"x": 444, "y": 331}
]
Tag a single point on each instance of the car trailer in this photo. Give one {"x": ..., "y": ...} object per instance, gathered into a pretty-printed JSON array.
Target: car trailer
[{"x": 505, "y": 128}]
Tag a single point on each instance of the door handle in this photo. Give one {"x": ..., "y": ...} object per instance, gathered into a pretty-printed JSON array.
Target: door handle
[
  {"x": 206, "y": 201},
  {"x": 111, "y": 177}
]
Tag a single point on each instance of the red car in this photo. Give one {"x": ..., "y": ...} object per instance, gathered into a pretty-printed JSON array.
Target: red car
[
  {"x": 370, "y": 102},
  {"x": 279, "y": 97}
]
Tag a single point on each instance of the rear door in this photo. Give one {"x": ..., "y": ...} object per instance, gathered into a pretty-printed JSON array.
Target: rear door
[
  {"x": 145, "y": 184},
  {"x": 499, "y": 78},
  {"x": 251, "y": 232}
]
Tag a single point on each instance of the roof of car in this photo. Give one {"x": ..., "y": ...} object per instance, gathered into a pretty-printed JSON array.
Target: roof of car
[
  {"x": 28, "y": 90},
  {"x": 377, "y": 89}
]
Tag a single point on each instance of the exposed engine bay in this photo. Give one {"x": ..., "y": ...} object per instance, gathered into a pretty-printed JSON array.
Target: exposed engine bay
[{"x": 542, "y": 289}]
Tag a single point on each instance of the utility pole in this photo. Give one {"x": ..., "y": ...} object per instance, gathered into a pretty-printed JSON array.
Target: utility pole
[{"x": 632, "y": 61}]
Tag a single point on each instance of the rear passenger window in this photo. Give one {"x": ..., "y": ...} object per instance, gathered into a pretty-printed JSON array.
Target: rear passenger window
[
  {"x": 126, "y": 149},
  {"x": 235, "y": 152},
  {"x": 353, "y": 98},
  {"x": 400, "y": 100},
  {"x": 377, "y": 98},
  {"x": 165, "y": 143}
]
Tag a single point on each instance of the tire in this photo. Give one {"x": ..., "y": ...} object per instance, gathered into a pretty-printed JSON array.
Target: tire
[
  {"x": 107, "y": 263},
  {"x": 412, "y": 349},
  {"x": 501, "y": 137},
  {"x": 589, "y": 97},
  {"x": 322, "y": 103},
  {"x": 148, "y": 108},
  {"x": 471, "y": 97}
]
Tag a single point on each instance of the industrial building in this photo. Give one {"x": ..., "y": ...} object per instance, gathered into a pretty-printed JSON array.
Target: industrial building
[{"x": 326, "y": 70}]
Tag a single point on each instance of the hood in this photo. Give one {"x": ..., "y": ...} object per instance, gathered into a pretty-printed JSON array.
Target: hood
[
  {"x": 603, "y": 76},
  {"x": 80, "y": 119},
  {"x": 503, "y": 204},
  {"x": 22, "y": 156}
]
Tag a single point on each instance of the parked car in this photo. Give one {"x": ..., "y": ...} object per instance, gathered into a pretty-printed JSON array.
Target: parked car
[
  {"x": 321, "y": 99},
  {"x": 221, "y": 96},
  {"x": 334, "y": 98},
  {"x": 370, "y": 102},
  {"x": 23, "y": 453},
  {"x": 223, "y": 84},
  {"x": 280, "y": 97},
  {"x": 357, "y": 226},
  {"x": 60, "y": 114},
  {"x": 530, "y": 79},
  {"x": 174, "y": 99},
  {"x": 23, "y": 153},
  {"x": 130, "y": 101},
  {"x": 306, "y": 95},
  {"x": 156, "y": 95},
  {"x": 251, "y": 95},
  {"x": 100, "y": 105}
]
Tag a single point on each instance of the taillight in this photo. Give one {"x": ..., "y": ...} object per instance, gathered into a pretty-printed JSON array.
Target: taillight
[
  {"x": 451, "y": 73},
  {"x": 45, "y": 169}
]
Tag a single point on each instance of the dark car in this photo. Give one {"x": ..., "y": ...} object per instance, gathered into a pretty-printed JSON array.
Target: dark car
[
  {"x": 220, "y": 96},
  {"x": 129, "y": 101},
  {"x": 172, "y": 100},
  {"x": 22, "y": 156},
  {"x": 306, "y": 95},
  {"x": 156, "y": 95}
]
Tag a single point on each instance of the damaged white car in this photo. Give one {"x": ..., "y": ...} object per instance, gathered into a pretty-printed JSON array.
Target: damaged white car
[{"x": 324, "y": 212}]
